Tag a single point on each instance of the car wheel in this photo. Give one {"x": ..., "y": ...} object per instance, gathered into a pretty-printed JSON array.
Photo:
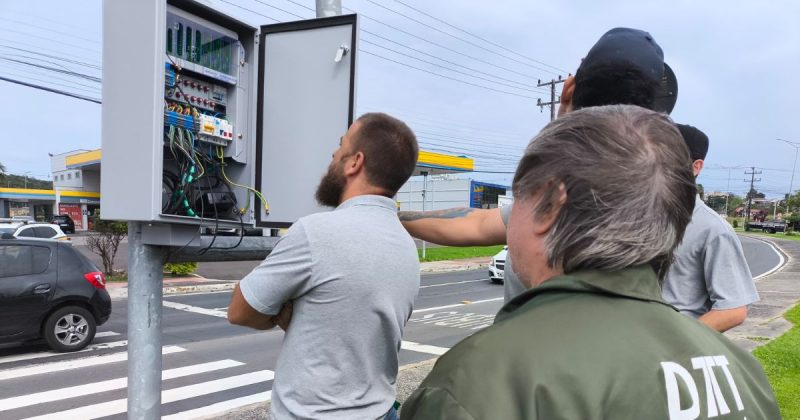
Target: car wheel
[
  {"x": 496, "y": 281},
  {"x": 70, "y": 328}
]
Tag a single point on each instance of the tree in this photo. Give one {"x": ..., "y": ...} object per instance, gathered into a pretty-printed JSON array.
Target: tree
[
  {"x": 754, "y": 194},
  {"x": 105, "y": 242},
  {"x": 2, "y": 171},
  {"x": 734, "y": 202},
  {"x": 701, "y": 191}
]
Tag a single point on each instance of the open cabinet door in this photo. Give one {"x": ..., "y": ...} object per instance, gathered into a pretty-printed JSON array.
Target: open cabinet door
[{"x": 306, "y": 94}]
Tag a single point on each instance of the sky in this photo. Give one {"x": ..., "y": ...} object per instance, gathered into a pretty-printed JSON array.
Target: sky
[{"x": 472, "y": 90}]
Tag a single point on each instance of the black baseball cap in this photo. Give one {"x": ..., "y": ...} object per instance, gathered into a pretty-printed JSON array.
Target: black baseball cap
[
  {"x": 696, "y": 141},
  {"x": 634, "y": 48}
]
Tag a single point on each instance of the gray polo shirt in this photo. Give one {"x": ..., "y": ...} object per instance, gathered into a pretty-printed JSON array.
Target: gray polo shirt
[
  {"x": 709, "y": 271},
  {"x": 512, "y": 287},
  {"x": 353, "y": 275}
]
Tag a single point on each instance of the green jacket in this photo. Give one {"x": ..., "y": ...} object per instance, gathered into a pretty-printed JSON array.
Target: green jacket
[{"x": 594, "y": 345}]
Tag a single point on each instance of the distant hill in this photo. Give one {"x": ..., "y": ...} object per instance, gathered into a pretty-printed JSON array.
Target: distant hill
[{"x": 18, "y": 181}]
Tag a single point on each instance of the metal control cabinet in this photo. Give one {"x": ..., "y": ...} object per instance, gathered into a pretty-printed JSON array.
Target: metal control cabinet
[{"x": 265, "y": 105}]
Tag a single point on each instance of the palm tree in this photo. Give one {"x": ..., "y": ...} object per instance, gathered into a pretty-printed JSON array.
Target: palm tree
[{"x": 2, "y": 171}]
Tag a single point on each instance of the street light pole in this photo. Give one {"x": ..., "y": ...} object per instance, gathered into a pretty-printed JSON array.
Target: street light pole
[{"x": 791, "y": 181}]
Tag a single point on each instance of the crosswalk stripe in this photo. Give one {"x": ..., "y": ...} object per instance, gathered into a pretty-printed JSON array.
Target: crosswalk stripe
[
  {"x": 75, "y": 364},
  {"x": 109, "y": 385},
  {"x": 39, "y": 355},
  {"x": 220, "y": 407},
  {"x": 423, "y": 348},
  {"x": 111, "y": 408},
  {"x": 105, "y": 334},
  {"x": 196, "y": 309}
]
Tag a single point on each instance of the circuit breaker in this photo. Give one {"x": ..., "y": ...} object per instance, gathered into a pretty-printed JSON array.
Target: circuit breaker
[{"x": 213, "y": 122}]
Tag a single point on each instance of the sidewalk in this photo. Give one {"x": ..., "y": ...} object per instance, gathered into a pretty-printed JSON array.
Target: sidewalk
[
  {"x": 197, "y": 284},
  {"x": 779, "y": 291}
]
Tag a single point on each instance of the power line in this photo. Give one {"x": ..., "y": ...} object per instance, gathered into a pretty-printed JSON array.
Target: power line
[
  {"x": 446, "y": 77},
  {"x": 250, "y": 10},
  {"x": 81, "y": 63},
  {"x": 28, "y": 24},
  {"x": 441, "y": 46},
  {"x": 478, "y": 37},
  {"x": 17, "y": 42},
  {"x": 282, "y": 10},
  {"x": 50, "y": 40},
  {"x": 68, "y": 72},
  {"x": 447, "y": 68},
  {"x": 51, "y": 90},
  {"x": 73, "y": 84},
  {"x": 442, "y": 59},
  {"x": 461, "y": 39}
]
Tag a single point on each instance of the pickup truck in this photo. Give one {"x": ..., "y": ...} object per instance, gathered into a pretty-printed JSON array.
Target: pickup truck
[{"x": 769, "y": 227}]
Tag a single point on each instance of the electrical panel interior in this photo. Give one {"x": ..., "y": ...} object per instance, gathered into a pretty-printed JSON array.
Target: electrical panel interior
[{"x": 205, "y": 89}]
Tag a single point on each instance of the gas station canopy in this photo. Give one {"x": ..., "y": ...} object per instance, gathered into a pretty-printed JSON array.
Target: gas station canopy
[{"x": 439, "y": 163}]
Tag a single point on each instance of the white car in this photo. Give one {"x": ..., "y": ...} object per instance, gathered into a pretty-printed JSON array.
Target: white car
[
  {"x": 33, "y": 231},
  {"x": 497, "y": 266}
]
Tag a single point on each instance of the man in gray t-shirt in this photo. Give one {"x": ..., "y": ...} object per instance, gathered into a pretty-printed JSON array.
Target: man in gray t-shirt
[
  {"x": 709, "y": 279},
  {"x": 342, "y": 283}
]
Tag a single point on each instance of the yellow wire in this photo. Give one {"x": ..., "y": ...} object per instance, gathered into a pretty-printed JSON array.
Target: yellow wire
[{"x": 220, "y": 155}]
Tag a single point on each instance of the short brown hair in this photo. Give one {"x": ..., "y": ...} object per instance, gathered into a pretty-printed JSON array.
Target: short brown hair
[
  {"x": 390, "y": 150},
  {"x": 630, "y": 192}
]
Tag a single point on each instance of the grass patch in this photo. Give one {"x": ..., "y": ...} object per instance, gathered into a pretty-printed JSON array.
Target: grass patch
[
  {"x": 458, "y": 253},
  {"x": 781, "y": 362},
  {"x": 117, "y": 278}
]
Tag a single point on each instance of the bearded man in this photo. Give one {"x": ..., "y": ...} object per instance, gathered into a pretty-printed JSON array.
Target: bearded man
[{"x": 341, "y": 283}]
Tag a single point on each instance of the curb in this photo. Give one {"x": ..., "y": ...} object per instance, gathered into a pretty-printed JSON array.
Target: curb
[
  {"x": 118, "y": 293},
  {"x": 468, "y": 267}
]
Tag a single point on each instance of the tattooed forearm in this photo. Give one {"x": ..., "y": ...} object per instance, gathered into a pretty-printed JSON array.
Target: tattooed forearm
[{"x": 407, "y": 216}]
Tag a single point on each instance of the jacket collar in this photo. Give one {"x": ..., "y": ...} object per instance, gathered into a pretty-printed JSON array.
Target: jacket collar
[{"x": 640, "y": 283}]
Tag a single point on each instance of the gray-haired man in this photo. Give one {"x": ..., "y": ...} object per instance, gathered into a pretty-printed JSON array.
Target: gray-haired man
[{"x": 603, "y": 196}]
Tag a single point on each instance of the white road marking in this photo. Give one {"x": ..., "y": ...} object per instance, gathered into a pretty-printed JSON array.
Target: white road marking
[
  {"x": 781, "y": 258},
  {"x": 106, "y": 334},
  {"x": 220, "y": 407},
  {"x": 196, "y": 309},
  {"x": 109, "y": 385},
  {"x": 423, "y": 348},
  {"x": 75, "y": 364},
  {"x": 455, "y": 282},
  {"x": 456, "y": 320},
  {"x": 39, "y": 355},
  {"x": 455, "y": 305},
  {"x": 120, "y": 406}
]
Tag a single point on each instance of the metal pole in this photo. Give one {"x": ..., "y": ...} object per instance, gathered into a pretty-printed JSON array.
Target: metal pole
[
  {"x": 728, "y": 192},
  {"x": 791, "y": 180},
  {"x": 145, "y": 289},
  {"x": 327, "y": 8},
  {"x": 424, "y": 187}
]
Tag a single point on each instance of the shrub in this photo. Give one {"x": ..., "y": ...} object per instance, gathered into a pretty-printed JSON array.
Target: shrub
[
  {"x": 735, "y": 223},
  {"x": 180, "y": 269}
]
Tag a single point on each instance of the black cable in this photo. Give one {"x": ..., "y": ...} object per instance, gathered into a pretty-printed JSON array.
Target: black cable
[
  {"x": 55, "y": 57},
  {"x": 462, "y": 39},
  {"x": 51, "y": 90},
  {"x": 443, "y": 46},
  {"x": 478, "y": 37},
  {"x": 282, "y": 10},
  {"x": 249, "y": 10},
  {"x": 29, "y": 24},
  {"x": 70, "y": 86},
  {"x": 57, "y": 70},
  {"x": 446, "y": 77},
  {"x": 450, "y": 69},
  {"x": 447, "y": 61}
]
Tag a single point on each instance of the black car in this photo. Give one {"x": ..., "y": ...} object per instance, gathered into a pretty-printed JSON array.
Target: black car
[
  {"x": 50, "y": 290},
  {"x": 64, "y": 222}
]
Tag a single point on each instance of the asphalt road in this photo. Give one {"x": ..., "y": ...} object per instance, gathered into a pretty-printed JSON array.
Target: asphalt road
[{"x": 211, "y": 367}]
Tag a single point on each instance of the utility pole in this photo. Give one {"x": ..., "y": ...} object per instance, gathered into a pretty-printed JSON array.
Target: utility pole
[
  {"x": 327, "y": 8},
  {"x": 796, "y": 146},
  {"x": 552, "y": 104},
  {"x": 753, "y": 180}
]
